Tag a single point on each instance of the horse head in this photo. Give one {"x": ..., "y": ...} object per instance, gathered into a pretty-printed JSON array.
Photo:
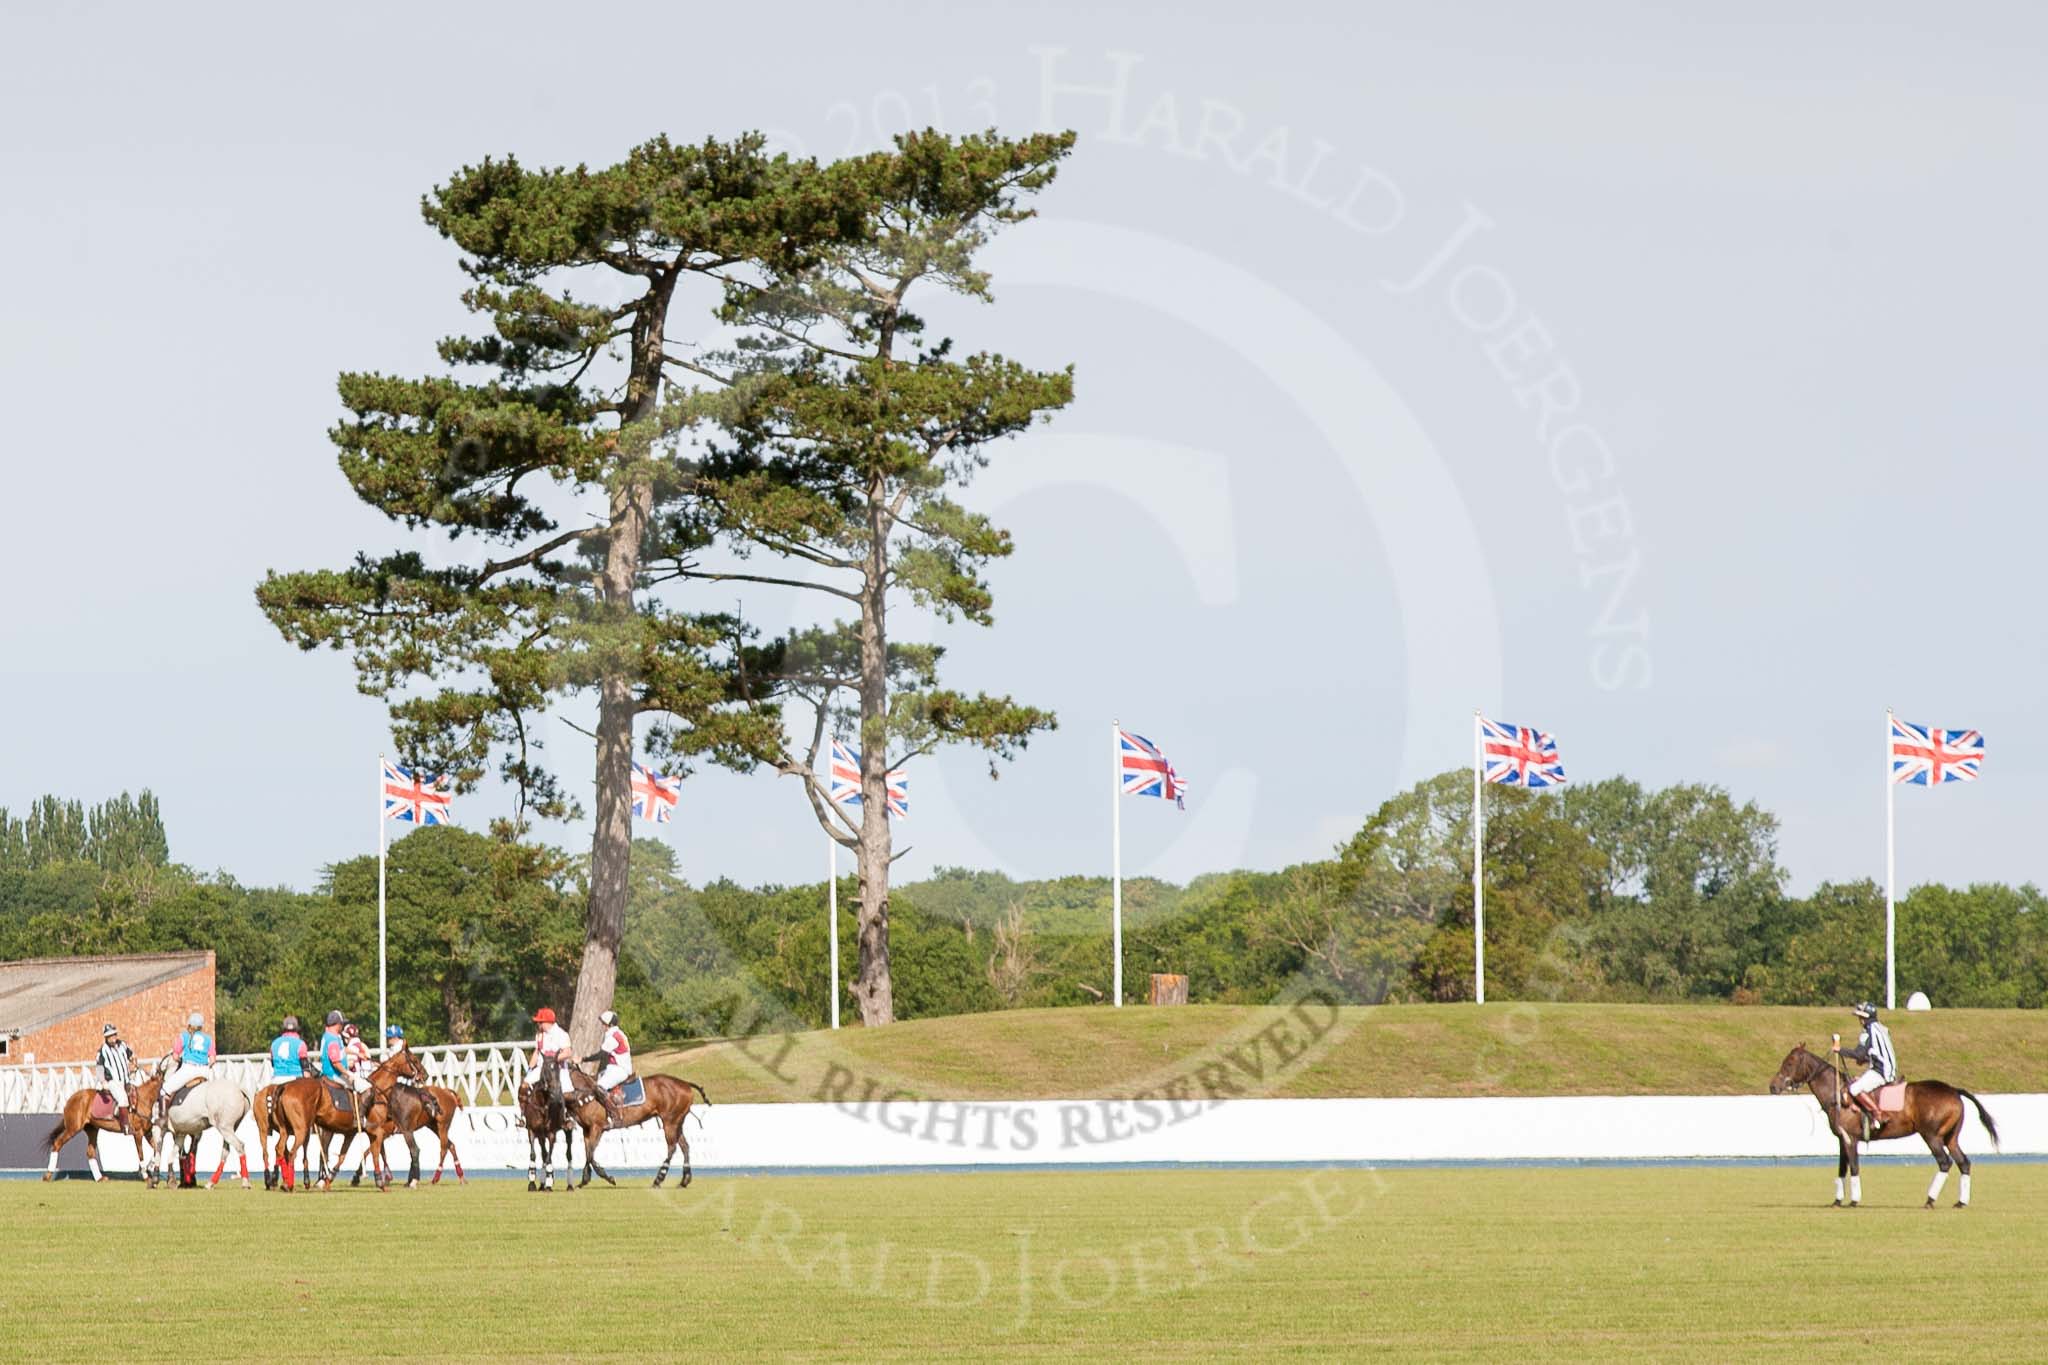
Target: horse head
[
  {"x": 406, "y": 1063},
  {"x": 1794, "y": 1071}
]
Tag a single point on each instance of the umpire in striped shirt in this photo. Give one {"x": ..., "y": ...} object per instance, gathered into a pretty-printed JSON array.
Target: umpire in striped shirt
[{"x": 117, "y": 1069}]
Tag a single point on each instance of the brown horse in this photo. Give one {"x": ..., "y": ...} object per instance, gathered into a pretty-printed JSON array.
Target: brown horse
[
  {"x": 78, "y": 1117},
  {"x": 1933, "y": 1111},
  {"x": 309, "y": 1115},
  {"x": 543, "y": 1116},
  {"x": 408, "y": 1109},
  {"x": 667, "y": 1099},
  {"x": 270, "y": 1127},
  {"x": 440, "y": 1119}
]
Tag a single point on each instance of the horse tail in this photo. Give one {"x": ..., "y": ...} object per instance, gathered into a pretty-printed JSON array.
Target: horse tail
[
  {"x": 50, "y": 1142},
  {"x": 700, "y": 1095},
  {"x": 1983, "y": 1116}
]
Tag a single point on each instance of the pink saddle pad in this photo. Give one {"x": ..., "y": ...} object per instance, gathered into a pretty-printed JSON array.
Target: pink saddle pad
[
  {"x": 1891, "y": 1098},
  {"x": 103, "y": 1106}
]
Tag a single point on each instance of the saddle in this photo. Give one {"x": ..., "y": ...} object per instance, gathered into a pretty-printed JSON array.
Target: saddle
[
  {"x": 630, "y": 1091},
  {"x": 341, "y": 1095},
  {"x": 104, "y": 1105},
  {"x": 1891, "y": 1099},
  {"x": 181, "y": 1093}
]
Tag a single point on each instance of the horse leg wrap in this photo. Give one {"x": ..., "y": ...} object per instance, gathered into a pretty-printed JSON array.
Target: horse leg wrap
[
  {"x": 1963, "y": 1193},
  {"x": 244, "y": 1159},
  {"x": 94, "y": 1163},
  {"x": 1838, "y": 1189},
  {"x": 53, "y": 1161},
  {"x": 1856, "y": 1189},
  {"x": 1934, "y": 1186}
]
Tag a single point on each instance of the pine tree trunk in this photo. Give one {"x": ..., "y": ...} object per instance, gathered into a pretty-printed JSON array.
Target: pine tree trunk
[
  {"x": 611, "y": 848},
  {"x": 461, "y": 1020},
  {"x": 872, "y": 987},
  {"x": 611, "y": 853}
]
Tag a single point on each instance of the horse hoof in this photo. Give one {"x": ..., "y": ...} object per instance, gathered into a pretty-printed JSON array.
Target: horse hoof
[
  {"x": 49, "y": 1175},
  {"x": 1928, "y": 1205},
  {"x": 687, "y": 1177},
  {"x": 1961, "y": 1205},
  {"x": 1837, "y": 1204},
  {"x": 1855, "y": 1203}
]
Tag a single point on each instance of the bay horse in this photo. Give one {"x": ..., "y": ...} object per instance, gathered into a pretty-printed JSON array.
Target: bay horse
[
  {"x": 440, "y": 1120},
  {"x": 667, "y": 1099},
  {"x": 78, "y": 1117},
  {"x": 1933, "y": 1112},
  {"x": 543, "y": 1115},
  {"x": 408, "y": 1108},
  {"x": 309, "y": 1115},
  {"x": 270, "y": 1129}
]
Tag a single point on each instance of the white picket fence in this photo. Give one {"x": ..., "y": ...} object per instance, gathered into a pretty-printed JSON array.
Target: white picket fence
[{"x": 482, "y": 1073}]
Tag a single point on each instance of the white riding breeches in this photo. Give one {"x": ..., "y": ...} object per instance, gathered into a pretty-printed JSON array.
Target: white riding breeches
[
  {"x": 186, "y": 1071},
  {"x": 1867, "y": 1082},
  {"x": 613, "y": 1074},
  {"x": 567, "y": 1078}
]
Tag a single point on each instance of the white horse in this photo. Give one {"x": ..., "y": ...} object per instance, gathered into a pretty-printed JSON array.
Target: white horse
[{"x": 216, "y": 1104}]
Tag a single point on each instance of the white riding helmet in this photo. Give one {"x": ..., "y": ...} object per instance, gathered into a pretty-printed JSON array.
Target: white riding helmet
[
  {"x": 195, "y": 1020},
  {"x": 608, "y": 1018}
]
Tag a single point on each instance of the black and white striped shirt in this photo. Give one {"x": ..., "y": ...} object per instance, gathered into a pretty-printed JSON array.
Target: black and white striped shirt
[
  {"x": 117, "y": 1066},
  {"x": 1876, "y": 1045}
]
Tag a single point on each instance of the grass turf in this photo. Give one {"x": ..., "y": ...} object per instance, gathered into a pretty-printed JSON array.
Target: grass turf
[
  {"x": 1513, "y": 1049},
  {"x": 1529, "y": 1264}
]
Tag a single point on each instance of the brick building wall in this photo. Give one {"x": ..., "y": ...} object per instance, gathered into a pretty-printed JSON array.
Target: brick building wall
[{"x": 150, "y": 1021}]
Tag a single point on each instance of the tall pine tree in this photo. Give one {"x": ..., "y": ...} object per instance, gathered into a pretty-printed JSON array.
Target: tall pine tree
[
  {"x": 846, "y": 432},
  {"x": 551, "y": 457}
]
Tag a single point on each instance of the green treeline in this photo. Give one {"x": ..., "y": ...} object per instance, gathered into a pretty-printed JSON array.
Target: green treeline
[{"x": 1609, "y": 892}]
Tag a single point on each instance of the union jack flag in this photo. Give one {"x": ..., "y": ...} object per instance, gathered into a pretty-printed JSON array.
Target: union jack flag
[
  {"x": 844, "y": 787},
  {"x": 654, "y": 794},
  {"x": 415, "y": 797},
  {"x": 1147, "y": 772},
  {"x": 1927, "y": 757},
  {"x": 1516, "y": 756}
]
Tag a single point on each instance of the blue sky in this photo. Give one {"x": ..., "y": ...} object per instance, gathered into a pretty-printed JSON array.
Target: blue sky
[{"x": 1669, "y": 384}]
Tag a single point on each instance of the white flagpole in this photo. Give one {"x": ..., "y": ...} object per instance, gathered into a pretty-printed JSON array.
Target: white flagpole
[
  {"x": 1478, "y": 852},
  {"x": 381, "y": 837},
  {"x": 832, "y": 917},
  {"x": 1890, "y": 866},
  {"x": 1116, "y": 857}
]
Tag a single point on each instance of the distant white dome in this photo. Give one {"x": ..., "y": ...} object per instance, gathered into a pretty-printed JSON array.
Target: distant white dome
[{"x": 1918, "y": 1001}]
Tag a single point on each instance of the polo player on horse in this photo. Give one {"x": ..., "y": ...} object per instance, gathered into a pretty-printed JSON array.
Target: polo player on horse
[{"x": 1873, "y": 1048}]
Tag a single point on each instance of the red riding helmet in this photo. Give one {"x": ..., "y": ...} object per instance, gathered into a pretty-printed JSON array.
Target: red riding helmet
[{"x": 543, "y": 1015}]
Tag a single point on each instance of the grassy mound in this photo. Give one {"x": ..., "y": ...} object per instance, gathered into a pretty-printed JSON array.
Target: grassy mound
[{"x": 1385, "y": 1051}]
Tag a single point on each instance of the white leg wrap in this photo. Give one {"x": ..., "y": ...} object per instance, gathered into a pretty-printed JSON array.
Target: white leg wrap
[
  {"x": 94, "y": 1163},
  {"x": 53, "y": 1163},
  {"x": 1934, "y": 1187},
  {"x": 1838, "y": 1189},
  {"x": 1963, "y": 1193},
  {"x": 1856, "y": 1189}
]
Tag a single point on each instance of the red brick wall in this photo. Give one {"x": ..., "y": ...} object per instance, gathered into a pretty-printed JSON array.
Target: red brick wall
[{"x": 150, "y": 1022}]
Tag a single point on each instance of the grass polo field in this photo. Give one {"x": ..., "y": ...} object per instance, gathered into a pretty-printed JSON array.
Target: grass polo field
[{"x": 1527, "y": 1263}]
